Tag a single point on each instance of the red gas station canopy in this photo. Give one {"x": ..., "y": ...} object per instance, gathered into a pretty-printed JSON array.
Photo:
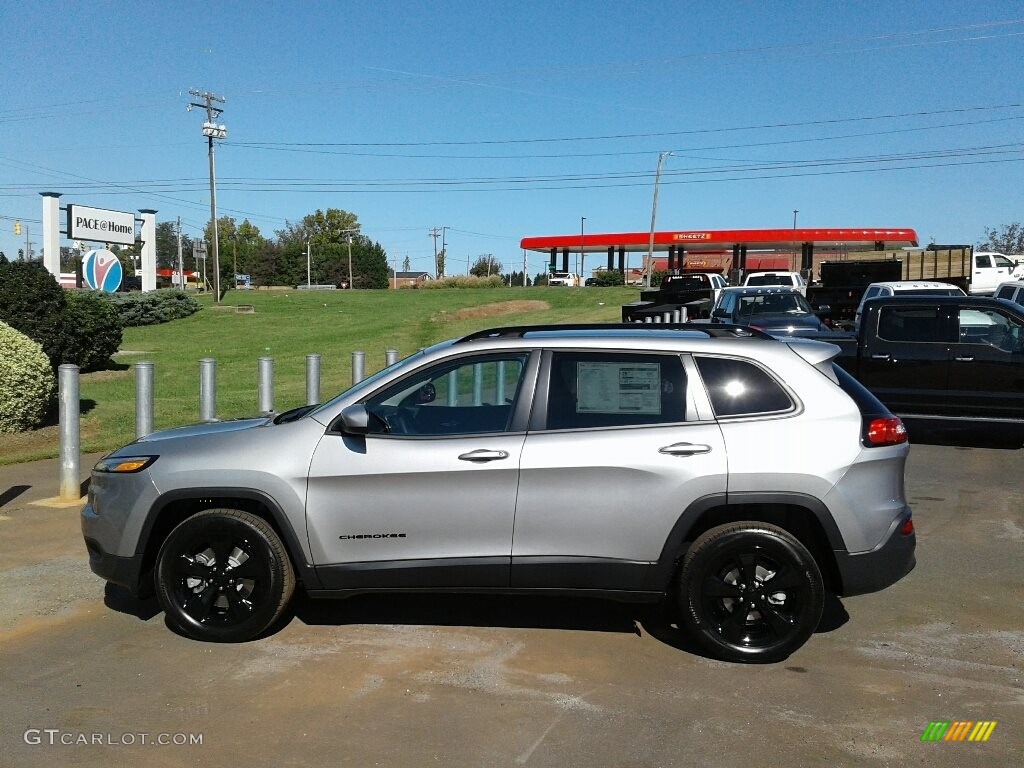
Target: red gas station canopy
[{"x": 723, "y": 239}]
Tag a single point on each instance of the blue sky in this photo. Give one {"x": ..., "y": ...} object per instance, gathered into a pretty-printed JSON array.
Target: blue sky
[{"x": 483, "y": 116}]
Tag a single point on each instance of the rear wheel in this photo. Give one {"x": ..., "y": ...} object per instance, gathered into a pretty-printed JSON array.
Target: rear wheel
[
  {"x": 750, "y": 592},
  {"x": 223, "y": 575}
]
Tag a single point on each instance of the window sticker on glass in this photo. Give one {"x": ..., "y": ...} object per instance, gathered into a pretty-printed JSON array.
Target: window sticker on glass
[{"x": 618, "y": 388}]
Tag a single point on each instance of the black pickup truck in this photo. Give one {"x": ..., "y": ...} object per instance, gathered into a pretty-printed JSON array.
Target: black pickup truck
[
  {"x": 693, "y": 291},
  {"x": 948, "y": 356}
]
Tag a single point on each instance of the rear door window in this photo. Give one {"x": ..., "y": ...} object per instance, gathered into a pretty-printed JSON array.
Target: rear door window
[
  {"x": 741, "y": 388},
  {"x": 917, "y": 324},
  {"x": 615, "y": 389}
]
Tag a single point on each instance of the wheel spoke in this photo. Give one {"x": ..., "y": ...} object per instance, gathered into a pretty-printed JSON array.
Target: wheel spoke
[
  {"x": 189, "y": 567},
  {"x": 786, "y": 581},
  {"x": 198, "y": 606},
  {"x": 734, "y": 626},
  {"x": 715, "y": 587},
  {"x": 239, "y": 607},
  {"x": 250, "y": 569},
  {"x": 781, "y": 625},
  {"x": 748, "y": 567},
  {"x": 222, "y": 546}
]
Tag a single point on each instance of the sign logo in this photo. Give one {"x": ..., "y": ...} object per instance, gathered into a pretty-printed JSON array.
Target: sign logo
[
  {"x": 691, "y": 236},
  {"x": 100, "y": 225},
  {"x": 958, "y": 730},
  {"x": 102, "y": 271}
]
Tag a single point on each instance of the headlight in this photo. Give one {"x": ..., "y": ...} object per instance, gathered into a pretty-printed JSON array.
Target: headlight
[{"x": 123, "y": 464}]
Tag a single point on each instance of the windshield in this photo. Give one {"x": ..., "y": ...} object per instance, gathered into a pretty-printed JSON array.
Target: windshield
[
  {"x": 369, "y": 382},
  {"x": 773, "y": 304},
  {"x": 769, "y": 279}
]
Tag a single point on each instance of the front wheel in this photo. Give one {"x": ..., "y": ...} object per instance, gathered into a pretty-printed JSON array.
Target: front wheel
[
  {"x": 750, "y": 592},
  {"x": 223, "y": 575}
]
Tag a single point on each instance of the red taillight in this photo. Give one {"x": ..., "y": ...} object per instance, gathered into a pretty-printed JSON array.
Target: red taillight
[
  {"x": 886, "y": 431},
  {"x": 908, "y": 527}
]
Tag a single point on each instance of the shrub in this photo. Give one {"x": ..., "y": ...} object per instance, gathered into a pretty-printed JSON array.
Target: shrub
[
  {"x": 94, "y": 330},
  {"x": 33, "y": 303},
  {"x": 153, "y": 307},
  {"x": 464, "y": 281},
  {"x": 608, "y": 277},
  {"x": 26, "y": 381}
]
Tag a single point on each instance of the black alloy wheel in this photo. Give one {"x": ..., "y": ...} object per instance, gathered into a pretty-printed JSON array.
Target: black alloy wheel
[
  {"x": 750, "y": 592},
  {"x": 224, "y": 576}
]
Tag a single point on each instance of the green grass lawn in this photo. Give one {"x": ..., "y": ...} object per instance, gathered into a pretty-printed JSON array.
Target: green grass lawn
[{"x": 288, "y": 325}]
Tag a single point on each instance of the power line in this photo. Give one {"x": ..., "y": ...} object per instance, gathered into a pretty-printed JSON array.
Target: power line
[{"x": 660, "y": 134}]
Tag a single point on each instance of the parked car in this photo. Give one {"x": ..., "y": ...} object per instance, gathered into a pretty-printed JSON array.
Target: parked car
[
  {"x": 600, "y": 460},
  {"x": 1011, "y": 291},
  {"x": 777, "y": 311},
  {"x": 792, "y": 280},
  {"x": 945, "y": 356},
  {"x": 906, "y": 288},
  {"x": 570, "y": 279}
]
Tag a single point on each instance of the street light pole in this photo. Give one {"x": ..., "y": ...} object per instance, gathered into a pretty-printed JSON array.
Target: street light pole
[
  {"x": 795, "y": 212},
  {"x": 654, "y": 214},
  {"x": 309, "y": 261},
  {"x": 350, "y": 286}
]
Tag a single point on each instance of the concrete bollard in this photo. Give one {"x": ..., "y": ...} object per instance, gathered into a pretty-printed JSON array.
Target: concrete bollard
[
  {"x": 312, "y": 379},
  {"x": 390, "y": 357},
  {"x": 265, "y": 385},
  {"x": 478, "y": 384},
  {"x": 358, "y": 367},
  {"x": 499, "y": 384},
  {"x": 70, "y": 436},
  {"x": 453, "y": 389},
  {"x": 143, "y": 398},
  {"x": 207, "y": 389},
  {"x": 648, "y": 319},
  {"x": 677, "y": 316}
]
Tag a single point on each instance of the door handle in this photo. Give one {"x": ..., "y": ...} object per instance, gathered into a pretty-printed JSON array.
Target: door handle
[
  {"x": 684, "y": 449},
  {"x": 880, "y": 357},
  {"x": 965, "y": 359},
  {"x": 482, "y": 455}
]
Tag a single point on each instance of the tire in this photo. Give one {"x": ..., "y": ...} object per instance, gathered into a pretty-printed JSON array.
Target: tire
[
  {"x": 208, "y": 591},
  {"x": 750, "y": 592}
]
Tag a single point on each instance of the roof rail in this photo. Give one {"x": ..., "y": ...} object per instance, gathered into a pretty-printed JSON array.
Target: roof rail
[{"x": 718, "y": 330}]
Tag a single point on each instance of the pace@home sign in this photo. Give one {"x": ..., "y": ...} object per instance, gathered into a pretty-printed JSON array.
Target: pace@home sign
[{"x": 100, "y": 225}]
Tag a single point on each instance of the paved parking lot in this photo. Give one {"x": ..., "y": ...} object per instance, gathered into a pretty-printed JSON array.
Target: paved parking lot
[{"x": 475, "y": 681}]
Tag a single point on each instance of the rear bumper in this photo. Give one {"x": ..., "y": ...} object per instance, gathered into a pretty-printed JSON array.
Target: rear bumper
[{"x": 886, "y": 564}]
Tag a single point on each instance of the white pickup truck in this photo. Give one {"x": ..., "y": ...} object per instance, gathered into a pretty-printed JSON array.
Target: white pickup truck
[
  {"x": 990, "y": 269},
  {"x": 570, "y": 279},
  {"x": 792, "y": 280}
]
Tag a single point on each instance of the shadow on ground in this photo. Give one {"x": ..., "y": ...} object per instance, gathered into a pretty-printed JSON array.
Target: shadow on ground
[{"x": 12, "y": 493}]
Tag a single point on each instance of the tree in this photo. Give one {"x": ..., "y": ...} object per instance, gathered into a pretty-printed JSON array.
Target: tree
[
  {"x": 485, "y": 266},
  {"x": 226, "y": 232},
  {"x": 1008, "y": 239},
  {"x": 322, "y": 227},
  {"x": 517, "y": 279},
  {"x": 167, "y": 245},
  {"x": 406, "y": 267},
  {"x": 541, "y": 278},
  {"x": 439, "y": 266}
]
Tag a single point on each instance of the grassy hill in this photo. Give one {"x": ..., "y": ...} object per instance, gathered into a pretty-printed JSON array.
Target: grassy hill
[{"x": 288, "y": 325}]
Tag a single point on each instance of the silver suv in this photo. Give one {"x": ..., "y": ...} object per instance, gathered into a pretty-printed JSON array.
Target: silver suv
[{"x": 738, "y": 474}]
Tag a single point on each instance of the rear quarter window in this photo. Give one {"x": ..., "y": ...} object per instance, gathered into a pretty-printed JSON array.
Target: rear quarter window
[{"x": 741, "y": 388}]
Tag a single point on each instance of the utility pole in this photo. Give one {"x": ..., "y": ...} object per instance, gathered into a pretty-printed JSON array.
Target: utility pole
[
  {"x": 308, "y": 263},
  {"x": 444, "y": 247},
  {"x": 524, "y": 267},
  {"x": 212, "y": 131},
  {"x": 579, "y": 270},
  {"x": 654, "y": 214},
  {"x": 435, "y": 233},
  {"x": 234, "y": 259},
  {"x": 181, "y": 264},
  {"x": 350, "y": 286}
]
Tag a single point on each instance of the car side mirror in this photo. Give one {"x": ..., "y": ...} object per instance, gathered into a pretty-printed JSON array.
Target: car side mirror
[{"x": 354, "y": 420}]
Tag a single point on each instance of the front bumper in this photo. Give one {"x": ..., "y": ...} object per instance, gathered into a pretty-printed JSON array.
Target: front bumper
[
  {"x": 125, "y": 571},
  {"x": 883, "y": 566}
]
